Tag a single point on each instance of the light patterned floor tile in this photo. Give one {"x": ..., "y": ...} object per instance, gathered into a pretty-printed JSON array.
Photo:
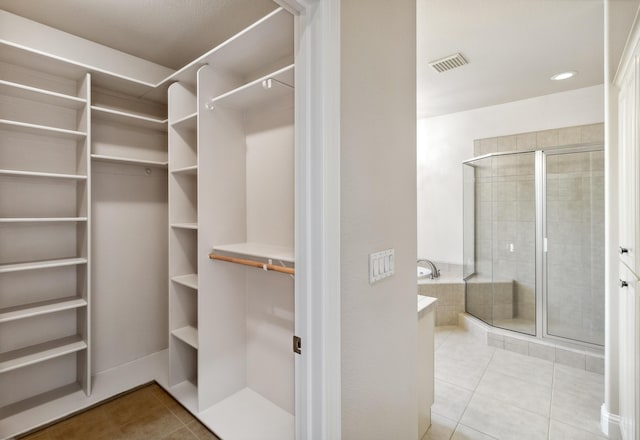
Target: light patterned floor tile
[
  {"x": 504, "y": 421},
  {"x": 463, "y": 432},
  {"x": 579, "y": 412},
  {"x": 517, "y": 392},
  {"x": 450, "y": 400},
  {"x": 562, "y": 431},
  {"x": 526, "y": 368}
]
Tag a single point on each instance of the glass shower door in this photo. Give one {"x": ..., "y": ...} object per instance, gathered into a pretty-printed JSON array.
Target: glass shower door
[{"x": 574, "y": 231}]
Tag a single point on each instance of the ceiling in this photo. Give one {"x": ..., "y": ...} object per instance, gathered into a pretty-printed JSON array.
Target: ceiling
[
  {"x": 171, "y": 33},
  {"x": 513, "y": 46}
]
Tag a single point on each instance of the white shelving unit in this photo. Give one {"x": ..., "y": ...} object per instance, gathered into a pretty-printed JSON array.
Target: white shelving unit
[
  {"x": 183, "y": 244},
  {"x": 246, "y": 163},
  {"x": 112, "y": 156},
  {"x": 45, "y": 230},
  {"x": 128, "y": 130}
]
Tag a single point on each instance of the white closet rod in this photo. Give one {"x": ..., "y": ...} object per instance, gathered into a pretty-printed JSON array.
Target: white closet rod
[{"x": 259, "y": 265}]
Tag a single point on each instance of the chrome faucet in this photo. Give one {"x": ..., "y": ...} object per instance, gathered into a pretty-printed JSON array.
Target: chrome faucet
[{"x": 435, "y": 272}]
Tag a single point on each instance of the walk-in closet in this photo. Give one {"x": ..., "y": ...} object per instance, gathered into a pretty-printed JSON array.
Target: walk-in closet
[{"x": 147, "y": 226}]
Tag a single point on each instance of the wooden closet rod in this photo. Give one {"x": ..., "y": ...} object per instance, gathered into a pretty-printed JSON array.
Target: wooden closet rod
[{"x": 259, "y": 265}]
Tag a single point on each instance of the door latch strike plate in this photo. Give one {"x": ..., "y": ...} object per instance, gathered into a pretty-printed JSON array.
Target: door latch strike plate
[{"x": 297, "y": 344}]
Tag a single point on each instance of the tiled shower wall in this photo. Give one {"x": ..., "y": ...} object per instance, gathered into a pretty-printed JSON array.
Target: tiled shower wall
[{"x": 505, "y": 227}]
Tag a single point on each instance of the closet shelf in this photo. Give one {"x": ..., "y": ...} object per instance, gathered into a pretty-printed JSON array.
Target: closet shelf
[
  {"x": 42, "y": 96},
  {"x": 193, "y": 169},
  {"x": 256, "y": 46},
  {"x": 41, "y": 308},
  {"x": 190, "y": 280},
  {"x": 44, "y": 264},
  {"x": 16, "y": 173},
  {"x": 23, "y": 357},
  {"x": 253, "y": 417},
  {"x": 184, "y": 225},
  {"x": 187, "y": 394},
  {"x": 258, "y": 250},
  {"x": 42, "y": 219},
  {"x": 258, "y": 93},
  {"x": 188, "y": 335},
  {"x": 129, "y": 160},
  {"x": 41, "y": 130},
  {"x": 187, "y": 122},
  {"x": 108, "y": 114}
]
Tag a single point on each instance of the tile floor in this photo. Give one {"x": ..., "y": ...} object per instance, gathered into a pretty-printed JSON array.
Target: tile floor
[
  {"x": 148, "y": 413},
  {"x": 484, "y": 393}
]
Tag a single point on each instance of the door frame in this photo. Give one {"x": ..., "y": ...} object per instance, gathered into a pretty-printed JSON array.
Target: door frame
[
  {"x": 542, "y": 292},
  {"x": 317, "y": 217}
]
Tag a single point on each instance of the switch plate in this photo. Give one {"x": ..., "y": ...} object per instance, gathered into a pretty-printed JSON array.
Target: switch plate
[{"x": 381, "y": 265}]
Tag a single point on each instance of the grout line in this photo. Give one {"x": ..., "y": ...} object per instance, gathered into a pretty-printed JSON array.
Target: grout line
[{"x": 553, "y": 380}]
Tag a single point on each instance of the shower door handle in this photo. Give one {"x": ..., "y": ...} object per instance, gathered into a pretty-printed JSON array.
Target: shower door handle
[
  {"x": 624, "y": 283},
  {"x": 623, "y": 250}
]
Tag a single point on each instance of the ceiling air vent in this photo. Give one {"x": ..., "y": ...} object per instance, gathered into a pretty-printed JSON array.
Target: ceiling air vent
[{"x": 448, "y": 63}]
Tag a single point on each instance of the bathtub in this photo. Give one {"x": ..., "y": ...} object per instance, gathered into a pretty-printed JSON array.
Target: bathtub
[{"x": 448, "y": 288}]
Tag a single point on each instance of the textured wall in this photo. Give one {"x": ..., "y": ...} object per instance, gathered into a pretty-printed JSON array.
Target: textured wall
[{"x": 378, "y": 211}]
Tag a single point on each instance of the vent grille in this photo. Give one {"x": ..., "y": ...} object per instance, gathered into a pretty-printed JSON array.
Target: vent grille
[{"x": 448, "y": 63}]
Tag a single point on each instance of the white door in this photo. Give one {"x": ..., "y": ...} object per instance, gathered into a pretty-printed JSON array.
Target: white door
[
  {"x": 629, "y": 352},
  {"x": 629, "y": 311}
]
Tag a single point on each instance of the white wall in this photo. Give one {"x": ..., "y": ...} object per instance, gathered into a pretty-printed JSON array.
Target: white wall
[
  {"x": 378, "y": 211},
  {"x": 445, "y": 141}
]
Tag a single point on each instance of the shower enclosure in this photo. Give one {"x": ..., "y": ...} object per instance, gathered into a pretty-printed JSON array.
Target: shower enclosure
[{"x": 534, "y": 242}]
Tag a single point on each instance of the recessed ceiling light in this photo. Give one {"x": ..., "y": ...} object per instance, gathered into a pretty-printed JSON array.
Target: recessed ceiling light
[{"x": 564, "y": 75}]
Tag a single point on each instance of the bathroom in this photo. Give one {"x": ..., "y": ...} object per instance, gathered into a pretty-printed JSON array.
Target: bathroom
[{"x": 511, "y": 205}]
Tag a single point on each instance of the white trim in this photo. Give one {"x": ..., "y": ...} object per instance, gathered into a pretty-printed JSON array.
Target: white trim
[
  {"x": 609, "y": 423},
  {"x": 629, "y": 48},
  {"x": 318, "y": 385}
]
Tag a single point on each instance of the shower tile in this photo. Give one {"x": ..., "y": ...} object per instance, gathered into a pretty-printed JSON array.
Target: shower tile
[
  {"x": 569, "y": 135},
  {"x": 526, "y": 165},
  {"x": 516, "y": 392},
  {"x": 592, "y": 133},
  {"x": 570, "y": 358},
  {"x": 476, "y": 148},
  {"x": 505, "y": 166},
  {"x": 507, "y": 211},
  {"x": 547, "y": 138},
  {"x": 483, "y": 191},
  {"x": 507, "y": 191},
  {"x": 449, "y": 400},
  {"x": 570, "y": 188},
  {"x": 495, "y": 340},
  {"x": 507, "y": 143},
  {"x": 447, "y": 315},
  {"x": 562, "y": 431},
  {"x": 526, "y": 190},
  {"x": 516, "y": 345},
  {"x": 526, "y": 141},
  {"x": 597, "y": 161},
  {"x": 595, "y": 364},
  {"x": 489, "y": 145},
  {"x": 542, "y": 351},
  {"x": 504, "y": 421},
  {"x": 526, "y": 211}
]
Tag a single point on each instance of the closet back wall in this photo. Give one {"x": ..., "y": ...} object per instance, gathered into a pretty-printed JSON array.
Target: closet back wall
[{"x": 129, "y": 209}]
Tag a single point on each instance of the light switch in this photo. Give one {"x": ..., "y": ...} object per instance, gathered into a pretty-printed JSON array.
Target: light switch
[{"x": 381, "y": 265}]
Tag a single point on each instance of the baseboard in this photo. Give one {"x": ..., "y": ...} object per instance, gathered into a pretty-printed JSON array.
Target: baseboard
[{"x": 609, "y": 423}]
